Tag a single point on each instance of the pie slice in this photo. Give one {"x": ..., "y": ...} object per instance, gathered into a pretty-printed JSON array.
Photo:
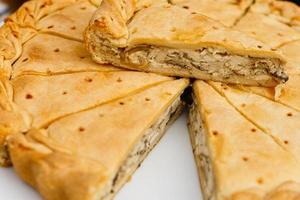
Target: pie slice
[
  {"x": 91, "y": 154},
  {"x": 250, "y": 150},
  {"x": 278, "y": 120},
  {"x": 72, "y": 128},
  {"x": 174, "y": 40}
]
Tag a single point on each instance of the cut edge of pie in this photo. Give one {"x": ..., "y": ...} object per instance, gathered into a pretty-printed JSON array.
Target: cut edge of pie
[{"x": 180, "y": 43}]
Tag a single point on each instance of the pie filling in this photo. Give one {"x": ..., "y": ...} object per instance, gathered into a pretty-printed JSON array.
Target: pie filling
[
  {"x": 142, "y": 148},
  {"x": 4, "y": 157},
  {"x": 212, "y": 61},
  {"x": 201, "y": 153}
]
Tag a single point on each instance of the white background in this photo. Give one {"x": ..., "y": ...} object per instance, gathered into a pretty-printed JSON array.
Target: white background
[{"x": 168, "y": 173}]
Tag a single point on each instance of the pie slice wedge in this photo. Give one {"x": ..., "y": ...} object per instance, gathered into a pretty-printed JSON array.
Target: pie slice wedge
[
  {"x": 91, "y": 154},
  {"x": 174, "y": 40},
  {"x": 238, "y": 157}
]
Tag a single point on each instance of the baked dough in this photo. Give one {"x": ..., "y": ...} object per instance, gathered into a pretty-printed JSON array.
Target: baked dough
[
  {"x": 267, "y": 29},
  {"x": 174, "y": 40},
  {"x": 250, "y": 151},
  {"x": 286, "y": 12},
  {"x": 291, "y": 51},
  {"x": 72, "y": 128},
  {"x": 228, "y": 12}
]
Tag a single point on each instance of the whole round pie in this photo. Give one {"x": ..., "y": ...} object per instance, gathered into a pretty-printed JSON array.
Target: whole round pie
[{"x": 75, "y": 129}]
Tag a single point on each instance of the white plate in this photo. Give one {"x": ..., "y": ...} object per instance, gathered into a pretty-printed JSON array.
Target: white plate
[
  {"x": 3, "y": 11},
  {"x": 168, "y": 173}
]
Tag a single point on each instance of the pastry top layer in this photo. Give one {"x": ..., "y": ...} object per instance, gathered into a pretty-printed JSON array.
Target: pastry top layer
[
  {"x": 126, "y": 24},
  {"x": 21, "y": 29}
]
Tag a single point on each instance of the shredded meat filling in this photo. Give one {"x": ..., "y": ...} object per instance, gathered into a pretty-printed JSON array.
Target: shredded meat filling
[
  {"x": 147, "y": 142},
  {"x": 216, "y": 62},
  {"x": 201, "y": 153}
]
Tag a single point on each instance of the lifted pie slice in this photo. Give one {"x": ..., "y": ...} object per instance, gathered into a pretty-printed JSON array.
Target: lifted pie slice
[
  {"x": 242, "y": 148},
  {"x": 174, "y": 40}
]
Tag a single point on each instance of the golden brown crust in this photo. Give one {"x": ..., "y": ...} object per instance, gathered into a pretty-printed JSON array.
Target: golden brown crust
[
  {"x": 267, "y": 29},
  {"x": 110, "y": 20},
  {"x": 47, "y": 54},
  {"x": 228, "y": 12},
  {"x": 11, "y": 39},
  {"x": 57, "y": 175},
  {"x": 73, "y": 20},
  {"x": 31, "y": 12},
  {"x": 23, "y": 25},
  {"x": 87, "y": 89},
  {"x": 18, "y": 29},
  {"x": 291, "y": 52},
  {"x": 12, "y": 119},
  {"x": 286, "y": 191},
  {"x": 283, "y": 11}
]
